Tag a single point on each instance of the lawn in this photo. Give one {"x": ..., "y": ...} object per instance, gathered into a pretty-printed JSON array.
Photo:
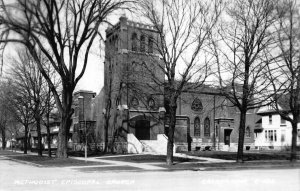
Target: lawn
[
  {"x": 248, "y": 156},
  {"x": 149, "y": 159},
  {"x": 89, "y": 154},
  {"x": 109, "y": 168},
  {"x": 53, "y": 162},
  {"x": 8, "y": 152},
  {"x": 233, "y": 165}
]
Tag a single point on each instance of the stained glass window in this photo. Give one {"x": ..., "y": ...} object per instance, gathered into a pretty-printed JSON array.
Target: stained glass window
[
  {"x": 197, "y": 105},
  {"x": 247, "y": 132},
  {"x": 207, "y": 127},
  {"x": 197, "y": 127}
]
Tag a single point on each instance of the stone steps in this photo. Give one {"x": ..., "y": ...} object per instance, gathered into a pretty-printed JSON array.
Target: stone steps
[{"x": 146, "y": 147}]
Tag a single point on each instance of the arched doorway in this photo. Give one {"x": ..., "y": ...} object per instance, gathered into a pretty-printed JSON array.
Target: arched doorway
[{"x": 142, "y": 129}]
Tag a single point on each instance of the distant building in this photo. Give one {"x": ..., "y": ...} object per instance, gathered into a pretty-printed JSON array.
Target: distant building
[
  {"x": 54, "y": 123},
  {"x": 83, "y": 122},
  {"x": 274, "y": 132}
]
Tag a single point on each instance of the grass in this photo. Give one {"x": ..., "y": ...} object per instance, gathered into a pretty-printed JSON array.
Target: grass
[
  {"x": 89, "y": 154},
  {"x": 248, "y": 156},
  {"x": 268, "y": 160},
  {"x": 109, "y": 168},
  {"x": 8, "y": 152},
  {"x": 149, "y": 159},
  {"x": 53, "y": 162},
  {"x": 232, "y": 166}
]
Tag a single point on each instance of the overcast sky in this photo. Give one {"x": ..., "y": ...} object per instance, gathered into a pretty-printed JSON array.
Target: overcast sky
[{"x": 93, "y": 77}]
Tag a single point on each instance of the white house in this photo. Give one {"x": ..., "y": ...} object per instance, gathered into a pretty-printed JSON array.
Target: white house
[{"x": 273, "y": 132}]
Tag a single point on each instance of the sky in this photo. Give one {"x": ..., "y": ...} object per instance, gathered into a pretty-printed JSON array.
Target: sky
[{"x": 93, "y": 77}]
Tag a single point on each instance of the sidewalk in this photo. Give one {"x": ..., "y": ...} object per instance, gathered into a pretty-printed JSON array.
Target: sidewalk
[
  {"x": 144, "y": 162},
  {"x": 206, "y": 159},
  {"x": 146, "y": 165},
  {"x": 118, "y": 163}
]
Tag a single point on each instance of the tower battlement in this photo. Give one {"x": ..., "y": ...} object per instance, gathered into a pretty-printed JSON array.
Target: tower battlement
[{"x": 124, "y": 23}]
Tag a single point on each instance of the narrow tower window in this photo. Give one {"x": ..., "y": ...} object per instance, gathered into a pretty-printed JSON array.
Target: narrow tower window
[
  {"x": 142, "y": 43},
  {"x": 134, "y": 42}
]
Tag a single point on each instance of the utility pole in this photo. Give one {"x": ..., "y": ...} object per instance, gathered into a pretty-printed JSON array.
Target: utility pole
[
  {"x": 214, "y": 146},
  {"x": 83, "y": 110}
]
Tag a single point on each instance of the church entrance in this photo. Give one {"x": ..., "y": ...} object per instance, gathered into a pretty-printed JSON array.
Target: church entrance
[
  {"x": 142, "y": 129},
  {"x": 227, "y": 133}
]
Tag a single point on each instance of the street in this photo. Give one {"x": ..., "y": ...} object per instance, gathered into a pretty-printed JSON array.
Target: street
[{"x": 17, "y": 176}]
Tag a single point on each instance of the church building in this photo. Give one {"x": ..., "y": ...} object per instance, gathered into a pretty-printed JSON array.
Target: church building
[{"x": 133, "y": 107}]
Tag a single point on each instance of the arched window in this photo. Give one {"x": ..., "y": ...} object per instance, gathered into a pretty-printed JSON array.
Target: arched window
[
  {"x": 206, "y": 127},
  {"x": 197, "y": 105},
  {"x": 116, "y": 43},
  {"x": 197, "y": 127},
  {"x": 247, "y": 132},
  {"x": 151, "y": 103},
  {"x": 134, "y": 42},
  {"x": 150, "y": 44},
  {"x": 143, "y": 43}
]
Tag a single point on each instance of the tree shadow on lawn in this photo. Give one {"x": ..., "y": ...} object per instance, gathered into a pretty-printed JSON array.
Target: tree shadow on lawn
[
  {"x": 260, "y": 165},
  {"x": 150, "y": 159},
  {"x": 89, "y": 154},
  {"x": 109, "y": 168},
  {"x": 247, "y": 156},
  {"x": 8, "y": 152},
  {"x": 54, "y": 162}
]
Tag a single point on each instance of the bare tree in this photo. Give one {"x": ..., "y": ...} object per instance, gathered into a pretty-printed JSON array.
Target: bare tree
[
  {"x": 9, "y": 127},
  {"x": 184, "y": 29},
  {"x": 25, "y": 75},
  {"x": 285, "y": 74},
  {"x": 245, "y": 36},
  {"x": 63, "y": 31},
  {"x": 109, "y": 78},
  {"x": 49, "y": 105},
  {"x": 20, "y": 108},
  {"x": 4, "y": 113}
]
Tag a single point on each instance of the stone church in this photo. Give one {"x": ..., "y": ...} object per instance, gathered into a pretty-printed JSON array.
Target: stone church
[{"x": 131, "y": 109}]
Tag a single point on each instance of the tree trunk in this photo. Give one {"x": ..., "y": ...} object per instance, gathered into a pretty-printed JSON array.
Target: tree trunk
[
  {"x": 106, "y": 123},
  {"x": 39, "y": 135},
  {"x": 173, "y": 107},
  {"x": 239, "y": 157},
  {"x": 3, "y": 139},
  {"x": 62, "y": 146},
  {"x": 48, "y": 136},
  {"x": 26, "y": 139},
  {"x": 48, "y": 110},
  {"x": 294, "y": 143},
  {"x": 66, "y": 114},
  {"x": 106, "y": 134}
]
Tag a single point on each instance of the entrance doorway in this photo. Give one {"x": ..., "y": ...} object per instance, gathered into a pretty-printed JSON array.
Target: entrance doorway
[
  {"x": 227, "y": 133},
  {"x": 142, "y": 129}
]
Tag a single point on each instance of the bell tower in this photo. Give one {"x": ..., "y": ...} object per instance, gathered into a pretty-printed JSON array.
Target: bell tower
[{"x": 131, "y": 74}]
